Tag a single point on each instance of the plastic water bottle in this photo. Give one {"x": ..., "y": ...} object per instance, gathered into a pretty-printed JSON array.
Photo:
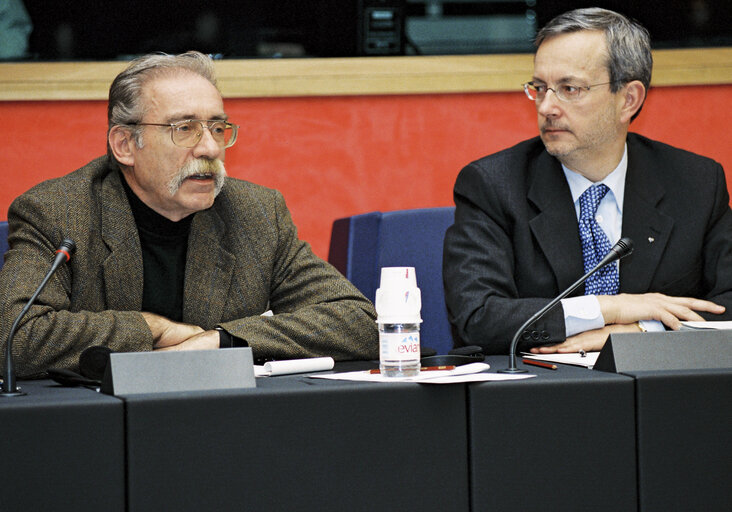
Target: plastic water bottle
[
  {"x": 399, "y": 350},
  {"x": 398, "y": 304}
]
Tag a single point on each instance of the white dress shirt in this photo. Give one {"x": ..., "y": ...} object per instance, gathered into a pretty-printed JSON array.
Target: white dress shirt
[{"x": 583, "y": 313}]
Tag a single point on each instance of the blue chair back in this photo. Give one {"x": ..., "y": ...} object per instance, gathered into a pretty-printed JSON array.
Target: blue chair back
[
  {"x": 360, "y": 245},
  {"x": 3, "y": 241}
]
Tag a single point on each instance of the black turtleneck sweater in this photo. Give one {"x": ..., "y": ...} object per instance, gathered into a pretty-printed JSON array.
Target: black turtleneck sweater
[{"x": 164, "y": 247}]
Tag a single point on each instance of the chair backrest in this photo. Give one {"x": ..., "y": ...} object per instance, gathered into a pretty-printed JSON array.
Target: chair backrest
[
  {"x": 360, "y": 245},
  {"x": 3, "y": 241}
]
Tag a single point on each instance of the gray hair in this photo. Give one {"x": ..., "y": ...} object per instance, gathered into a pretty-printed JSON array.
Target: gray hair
[
  {"x": 628, "y": 43},
  {"x": 125, "y": 107}
]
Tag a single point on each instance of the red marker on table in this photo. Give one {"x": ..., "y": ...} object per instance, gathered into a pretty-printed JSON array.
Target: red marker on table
[{"x": 541, "y": 364}]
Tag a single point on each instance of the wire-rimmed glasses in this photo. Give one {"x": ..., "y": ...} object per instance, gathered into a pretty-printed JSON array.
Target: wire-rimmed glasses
[
  {"x": 536, "y": 91},
  {"x": 188, "y": 133}
]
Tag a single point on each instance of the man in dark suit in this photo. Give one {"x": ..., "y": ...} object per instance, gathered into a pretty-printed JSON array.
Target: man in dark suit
[
  {"x": 532, "y": 219},
  {"x": 171, "y": 254}
]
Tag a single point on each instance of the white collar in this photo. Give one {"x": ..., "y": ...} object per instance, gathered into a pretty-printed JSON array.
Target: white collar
[{"x": 615, "y": 181}]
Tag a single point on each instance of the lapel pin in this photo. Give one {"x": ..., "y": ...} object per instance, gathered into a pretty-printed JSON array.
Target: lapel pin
[{"x": 651, "y": 239}]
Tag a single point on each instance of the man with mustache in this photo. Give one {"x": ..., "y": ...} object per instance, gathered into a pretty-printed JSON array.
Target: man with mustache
[
  {"x": 171, "y": 254},
  {"x": 532, "y": 219}
]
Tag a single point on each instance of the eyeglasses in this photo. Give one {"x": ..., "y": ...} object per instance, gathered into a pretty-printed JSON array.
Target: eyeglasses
[
  {"x": 565, "y": 92},
  {"x": 188, "y": 133}
]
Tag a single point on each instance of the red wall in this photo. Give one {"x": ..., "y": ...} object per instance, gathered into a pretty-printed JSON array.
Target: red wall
[{"x": 338, "y": 156}]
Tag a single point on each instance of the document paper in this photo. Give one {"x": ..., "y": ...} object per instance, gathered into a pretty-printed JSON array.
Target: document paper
[
  {"x": 473, "y": 372},
  {"x": 575, "y": 359}
]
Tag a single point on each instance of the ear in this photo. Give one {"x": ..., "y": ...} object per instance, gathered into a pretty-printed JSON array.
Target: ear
[
  {"x": 633, "y": 94},
  {"x": 121, "y": 141}
]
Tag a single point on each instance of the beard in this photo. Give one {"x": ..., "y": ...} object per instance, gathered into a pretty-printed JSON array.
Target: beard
[{"x": 200, "y": 167}]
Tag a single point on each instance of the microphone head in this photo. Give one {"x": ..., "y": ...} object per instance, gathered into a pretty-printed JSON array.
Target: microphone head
[
  {"x": 624, "y": 247},
  {"x": 67, "y": 248}
]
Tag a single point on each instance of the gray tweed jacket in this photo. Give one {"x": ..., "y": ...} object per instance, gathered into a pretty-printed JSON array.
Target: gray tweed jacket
[{"x": 244, "y": 258}]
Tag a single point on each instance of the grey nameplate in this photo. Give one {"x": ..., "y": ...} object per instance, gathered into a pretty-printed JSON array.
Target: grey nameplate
[
  {"x": 132, "y": 373},
  {"x": 673, "y": 350}
]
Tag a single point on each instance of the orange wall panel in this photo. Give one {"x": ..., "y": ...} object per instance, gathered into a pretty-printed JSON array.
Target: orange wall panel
[{"x": 338, "y": 156}]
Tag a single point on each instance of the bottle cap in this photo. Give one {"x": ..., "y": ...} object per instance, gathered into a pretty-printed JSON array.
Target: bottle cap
[
  {"x": 398, "y": 277},
  {"x": 398, "y": 300}
]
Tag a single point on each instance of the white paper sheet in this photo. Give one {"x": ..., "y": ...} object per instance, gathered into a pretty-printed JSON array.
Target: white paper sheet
[
  {"x": 473, "y": 372},
  {"x": 478, "y": 377},
  {"x": 575, "y": 359},
  {"x": 716, "y": 325}
]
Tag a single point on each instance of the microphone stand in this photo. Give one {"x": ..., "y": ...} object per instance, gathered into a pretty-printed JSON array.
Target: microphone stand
[
  {"x": 9, "y": 389},
  {"x": 622, "y": 248}
]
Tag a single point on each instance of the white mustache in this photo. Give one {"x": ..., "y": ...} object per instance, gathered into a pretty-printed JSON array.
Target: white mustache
[{"x": 199, "y": 166}]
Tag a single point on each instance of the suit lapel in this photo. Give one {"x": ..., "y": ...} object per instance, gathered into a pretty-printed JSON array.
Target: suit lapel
[
  {"x": 555, "y": 226},
  {"x": 123, "y": 267},
  {"x": 643, "y": 222},
  {"x": 209, "y": 270}
]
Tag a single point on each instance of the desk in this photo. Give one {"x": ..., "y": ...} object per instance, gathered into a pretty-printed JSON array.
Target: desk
[
  {"x": 684, "y": 440},
  {"x": 295, "y": 443},
  {"x": 62, "y": 449},
  {"x": 562, "y": 441},
  {"x": 570, "y": 439}
]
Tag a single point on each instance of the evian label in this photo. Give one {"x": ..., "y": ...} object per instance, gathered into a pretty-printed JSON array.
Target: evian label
[{"x": 399, "y": 346}]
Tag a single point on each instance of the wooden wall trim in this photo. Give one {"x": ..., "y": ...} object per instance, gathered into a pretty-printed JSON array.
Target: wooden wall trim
[{"x": 348, "y": 76}]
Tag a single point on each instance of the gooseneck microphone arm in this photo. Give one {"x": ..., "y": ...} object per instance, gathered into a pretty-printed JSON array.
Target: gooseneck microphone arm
[
  {"x": 63, "y": 254},
  {"x": 622, "y": 248}
]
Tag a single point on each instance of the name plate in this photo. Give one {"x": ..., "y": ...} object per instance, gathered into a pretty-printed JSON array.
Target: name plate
[
  {"x": 134, "y": 373},
  {"x": 673, "y": 350}
]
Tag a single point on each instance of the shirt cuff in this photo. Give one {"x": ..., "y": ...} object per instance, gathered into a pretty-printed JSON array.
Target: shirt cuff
[
  {"x": 582, "y": 314},
  {"x": 651, "y": 325}
]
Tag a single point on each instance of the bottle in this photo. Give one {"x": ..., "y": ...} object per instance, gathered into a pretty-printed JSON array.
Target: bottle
[
  {"x": 399, "y": 349},
  {"x": 398, "y": 304}
]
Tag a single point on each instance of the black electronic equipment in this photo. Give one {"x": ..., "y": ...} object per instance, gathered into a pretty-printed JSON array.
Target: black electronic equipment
[{"x": 358, "y": 27}]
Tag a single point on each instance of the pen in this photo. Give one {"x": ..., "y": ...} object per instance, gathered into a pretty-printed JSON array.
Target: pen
[
  {"x": 540, "y": 363},
  {"x": 425, "y": 368}
]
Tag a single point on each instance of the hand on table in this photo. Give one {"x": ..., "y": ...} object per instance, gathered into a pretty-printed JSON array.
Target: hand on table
[
  {"x": 628, "y": 308},
  {"x": 588, "y": 341},
  {"x": 622, "y": 312}
]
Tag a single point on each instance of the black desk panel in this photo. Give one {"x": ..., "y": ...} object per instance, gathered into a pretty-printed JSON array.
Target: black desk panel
[
  {"x": 570, "y": 439},
  {"x": 300, "y": 444},
  {"x": 62, "y": 449},
  {"x": 684, "y": 440},
  {"x": 564, "y": 440}
]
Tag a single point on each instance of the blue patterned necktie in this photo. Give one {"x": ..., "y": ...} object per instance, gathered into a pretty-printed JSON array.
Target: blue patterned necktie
[{"x": 595, "y": 245}]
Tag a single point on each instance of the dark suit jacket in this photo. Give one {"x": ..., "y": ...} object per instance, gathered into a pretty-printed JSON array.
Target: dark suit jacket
[
  {"x": 243, "y": 258},
  {"x": 515, "y": 242}
]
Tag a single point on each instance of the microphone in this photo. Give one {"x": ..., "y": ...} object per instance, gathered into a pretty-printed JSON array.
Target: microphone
[
  {"x": 622, "y": 248},
  {"x": 63, "y": 254}
]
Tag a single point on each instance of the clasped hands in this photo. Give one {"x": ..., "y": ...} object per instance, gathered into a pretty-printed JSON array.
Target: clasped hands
[
  {"x": 169, "y": 335},
  {"x": 622, "y": 313}
]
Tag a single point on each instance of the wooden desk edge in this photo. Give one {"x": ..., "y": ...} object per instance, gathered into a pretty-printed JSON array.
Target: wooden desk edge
[{"x": 348, "y": 76}]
